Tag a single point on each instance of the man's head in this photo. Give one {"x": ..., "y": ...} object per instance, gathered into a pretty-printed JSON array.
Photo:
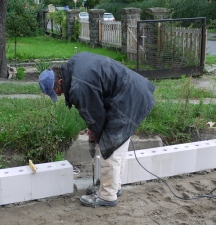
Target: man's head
[{"x": 50, "y": 82}]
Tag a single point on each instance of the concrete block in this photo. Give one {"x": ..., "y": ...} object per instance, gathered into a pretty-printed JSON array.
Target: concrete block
[
  {"x": 124, "y": 178},
  {"x": 20, "y": 184},
  {"x": 162, "y": 162},
  {"x": 66, "y": 182},
  {"x": 168, "y": 161},
  {"x": 173, "y": 159},
  {"x": 79, "y": 151},
  {"x": 206, "y": 155},
  {"x": 137, "y": 143},
  {"x": 45, "y": 182},
  {"x": 135, "y": 170},
  {"x": 185, "y": 158},
  {"x": 15, "y": 185}
]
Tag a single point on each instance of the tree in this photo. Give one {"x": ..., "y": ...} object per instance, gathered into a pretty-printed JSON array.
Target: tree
[
  {"x": 3, "y": 62},
  {"x": 22, "y": 18}
]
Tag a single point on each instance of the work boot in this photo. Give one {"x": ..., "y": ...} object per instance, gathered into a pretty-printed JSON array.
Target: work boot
[
  {"x": 94, "y": 200},
  {"x": 93, "y": 189}
]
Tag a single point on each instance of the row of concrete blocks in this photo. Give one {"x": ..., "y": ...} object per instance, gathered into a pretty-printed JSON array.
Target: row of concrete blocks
[
  {"x": 167, "y": 161},
  {"x": 52, "y": 179},
  {"x": 20, "y": 184}
]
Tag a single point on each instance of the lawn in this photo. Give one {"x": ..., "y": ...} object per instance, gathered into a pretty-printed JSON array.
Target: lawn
[{"x": 46, "y": 47}]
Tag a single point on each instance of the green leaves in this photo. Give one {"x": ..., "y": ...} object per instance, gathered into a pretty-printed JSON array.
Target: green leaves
[
  {"x": 20, "y": 73},
  {"x": 22, "y": 17},
  {"x": 38, "y": 129}
]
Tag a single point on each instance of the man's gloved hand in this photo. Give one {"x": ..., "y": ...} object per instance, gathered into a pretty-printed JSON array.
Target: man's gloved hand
[{"x": 92, "y": 144}]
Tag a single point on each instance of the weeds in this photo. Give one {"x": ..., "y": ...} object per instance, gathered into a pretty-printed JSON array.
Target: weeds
[
  {"x": 172, "y": 120},
  {"x": 38, "y": 129},
  {"x": 41, "y": 66},
  {"x": 20, "y": 73}
]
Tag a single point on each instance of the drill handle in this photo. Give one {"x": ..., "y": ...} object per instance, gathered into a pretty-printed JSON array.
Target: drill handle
[
  {"x": 91, "y": 136},
  {"x": 92, "y": 144}
]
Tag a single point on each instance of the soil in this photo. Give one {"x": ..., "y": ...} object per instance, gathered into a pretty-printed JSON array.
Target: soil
[{"x": 146, "y": 203}]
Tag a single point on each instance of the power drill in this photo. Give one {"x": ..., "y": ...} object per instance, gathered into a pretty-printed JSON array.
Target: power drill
[{"x": 92, "y": 149}]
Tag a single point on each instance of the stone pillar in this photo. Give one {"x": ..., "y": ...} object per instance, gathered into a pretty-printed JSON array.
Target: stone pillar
[
  {"x": 72, "y": 15},
  {"x": 157, "y": 13},
  {"x": 128, "y": 16},
  {"x": 94, "y": 16}
]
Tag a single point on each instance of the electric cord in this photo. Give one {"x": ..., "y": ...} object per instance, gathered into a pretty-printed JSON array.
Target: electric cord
[{"x": 208, "y": 195}]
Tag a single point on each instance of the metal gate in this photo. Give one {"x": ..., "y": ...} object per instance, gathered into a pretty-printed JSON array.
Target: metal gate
[{"x": 171, "y": 48}]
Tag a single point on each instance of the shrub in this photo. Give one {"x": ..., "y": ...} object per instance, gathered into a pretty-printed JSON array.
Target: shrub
[
  {"x": 37, "y": 128},
  {"x": 59, "y": 18},
  {"x": 20, "y": 73},
  {"x": 41, "y": 66},
  {"x": 76, "y": 30},
  {"x": 178, "y": 8},
  {"x": 22, "y": 18}
]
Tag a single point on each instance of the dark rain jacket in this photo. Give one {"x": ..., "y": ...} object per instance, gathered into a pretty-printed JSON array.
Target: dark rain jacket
[{"x": 112, "y": 99}]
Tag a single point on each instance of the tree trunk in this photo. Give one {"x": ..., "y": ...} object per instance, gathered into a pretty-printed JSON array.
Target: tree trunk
[{"x": 3, "y": 62}]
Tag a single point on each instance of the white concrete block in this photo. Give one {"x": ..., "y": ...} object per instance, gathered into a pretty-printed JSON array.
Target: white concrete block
[
  {"x": 66, "y": 183},
  {"x": 168, "y": 161},
  {"x": 162, "y": 163},
  {"x": 206, "y": 155},
  {"x": 21, "y": 184},
  {"x": 124, "y": 178},
  {"x": 15, "y": 185},
  {"x": 185, "y": 159},
  {"x": 135, "y": 171},
  {"x": 45, "y": 182}
]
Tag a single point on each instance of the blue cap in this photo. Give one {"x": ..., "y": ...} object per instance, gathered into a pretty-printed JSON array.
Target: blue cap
[{"x": 46, "y": 82}]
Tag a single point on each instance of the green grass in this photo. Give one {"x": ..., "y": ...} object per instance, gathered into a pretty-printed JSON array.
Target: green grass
[
  {"x": 210, "y": 59},
  {"x": 37, "y": 128},
  {"x": 172, "y": 121},
  {"x": 180, "y": 89},
  {"x": 19, "y": 88},
  {"x": 45, "y": 47},
  {"x": 166, "y": 89},
  {"x": 212, "y": 31},
  {"x": 48, "y": 48}
]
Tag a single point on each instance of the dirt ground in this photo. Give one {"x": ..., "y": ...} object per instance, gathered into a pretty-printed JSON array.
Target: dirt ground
[{"x": 148, "y": 203}]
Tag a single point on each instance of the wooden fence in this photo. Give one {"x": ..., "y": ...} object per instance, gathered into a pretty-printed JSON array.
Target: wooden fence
[
  {"x": 85, "y": 33},
  {"x": 175, "y": 39},
  {"x": 171, "y": 48},
  {"x": 110, "y": 33},
  {"x": 132, "y": 42},
  {"x": 186, "y": 41}
]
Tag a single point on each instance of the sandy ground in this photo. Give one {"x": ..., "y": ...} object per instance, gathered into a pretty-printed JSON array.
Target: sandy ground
[{"x": 148, "y": 203}]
